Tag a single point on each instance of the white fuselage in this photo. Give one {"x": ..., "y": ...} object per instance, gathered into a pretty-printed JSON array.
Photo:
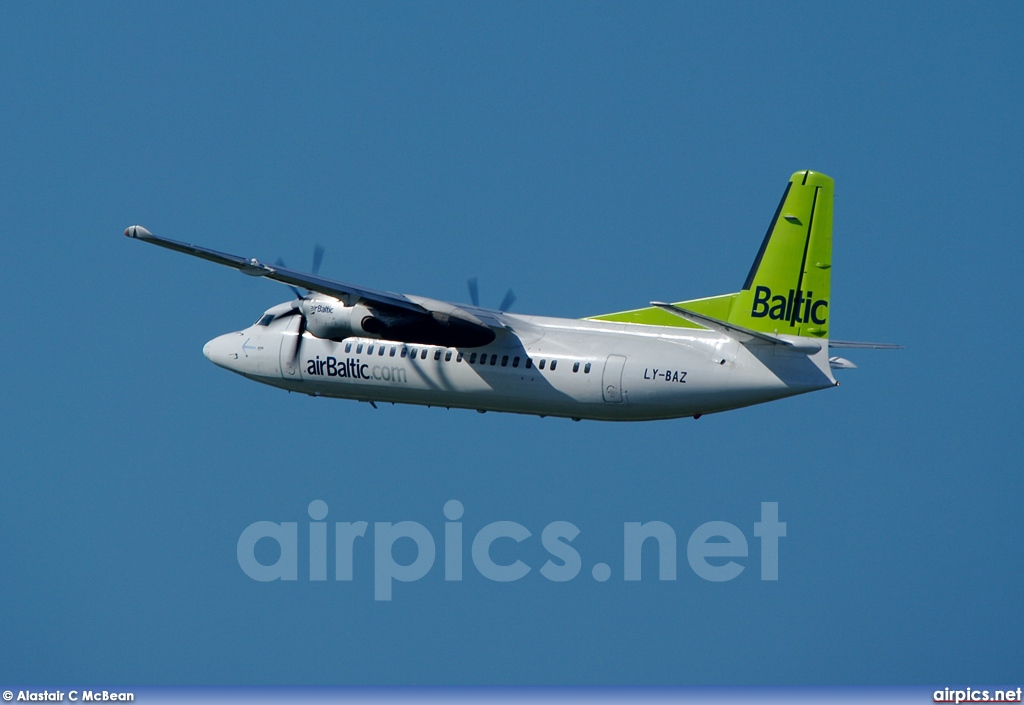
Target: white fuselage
[{"x": 579, "y": 369}]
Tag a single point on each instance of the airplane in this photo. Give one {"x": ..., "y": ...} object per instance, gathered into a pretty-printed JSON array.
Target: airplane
[{"x": 765, "y": 342}]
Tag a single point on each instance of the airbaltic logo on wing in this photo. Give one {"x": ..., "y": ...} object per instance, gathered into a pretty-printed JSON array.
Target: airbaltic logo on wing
[
  {"x": 795, "y": 308},
  {"x": 354, "y": 368}
]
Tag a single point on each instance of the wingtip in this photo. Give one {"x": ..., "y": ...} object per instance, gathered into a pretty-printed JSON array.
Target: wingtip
[{"x": 137, "y": 231}]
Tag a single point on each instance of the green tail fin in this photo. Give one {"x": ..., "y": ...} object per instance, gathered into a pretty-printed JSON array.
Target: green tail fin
[{"x": 787, "y": 289}]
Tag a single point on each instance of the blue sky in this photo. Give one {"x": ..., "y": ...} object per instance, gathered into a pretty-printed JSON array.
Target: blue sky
[{"x": 594, "y": 157}]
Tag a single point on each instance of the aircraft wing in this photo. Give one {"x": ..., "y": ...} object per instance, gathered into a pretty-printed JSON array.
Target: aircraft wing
[{"x": 255, "y": 268}]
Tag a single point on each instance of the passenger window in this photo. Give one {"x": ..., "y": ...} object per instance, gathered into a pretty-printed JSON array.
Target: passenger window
[
  {"x": 392, "y": 351},
  {"x": 541, "y": 365},
  {"x": 437, "y": 354},
  {"x": 494, "y": 360},
  {"x": 553, "y": 363},
  {"x": 515, "y": 361},
  {"x": 412, "y": 353},
  {"x": 504, "y": 360},
  {"x": 459, "y": 358},
  {"x": 405, "y": 351},
  {"x": 359, "y": 349},
  {"x": 369, "y": 350},
  {"x": 472, "y": 358},
  {"x": 448, "y": 356},
  {"x": 423, "y": 354},
  {"x": 380, "y": 351},
  {"x": 586, "y": 369},
  {"x": 529, "y": 363},
  {"x": 575, "y": 367},
  {"x": 348, "y": 347}
]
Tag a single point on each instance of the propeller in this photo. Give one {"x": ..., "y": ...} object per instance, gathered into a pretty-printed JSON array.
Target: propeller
[
  {"x": 280, "y": 263},
  {"x": 506, "y": 303},
  {"x": 318, "y": 258},
  {"x": 298, "y": 338},
  {"x": 474, "y": 295}
]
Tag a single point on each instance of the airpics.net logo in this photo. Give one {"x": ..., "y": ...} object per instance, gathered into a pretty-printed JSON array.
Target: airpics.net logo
[{"x": 717, "y": 551}]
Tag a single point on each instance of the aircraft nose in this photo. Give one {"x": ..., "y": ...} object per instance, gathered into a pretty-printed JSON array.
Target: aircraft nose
[{"x": 219, "y": 350}]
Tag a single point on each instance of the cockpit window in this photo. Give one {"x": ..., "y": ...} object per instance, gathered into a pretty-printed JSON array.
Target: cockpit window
[{"x": 265, "y": 321}]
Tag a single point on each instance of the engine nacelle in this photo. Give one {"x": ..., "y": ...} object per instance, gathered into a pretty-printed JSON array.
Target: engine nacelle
[
  {"x": 332, "y": 320},
  {"x": 440, "y": 323}
]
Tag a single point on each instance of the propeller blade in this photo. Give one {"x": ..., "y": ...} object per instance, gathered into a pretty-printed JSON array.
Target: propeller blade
[
  {"x": 506, "y": 303},
  {"x": 298, "y": 339},
  {"x": 474, "y": 291},
  {"x": 318, "y": 257},
  {"x": 280, "y": 263}
]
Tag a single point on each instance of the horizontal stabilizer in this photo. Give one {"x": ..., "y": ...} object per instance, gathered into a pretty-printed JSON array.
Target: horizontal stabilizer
[
  {"x": 863, "y": 346},
  {"x": 743, "y": 335}
]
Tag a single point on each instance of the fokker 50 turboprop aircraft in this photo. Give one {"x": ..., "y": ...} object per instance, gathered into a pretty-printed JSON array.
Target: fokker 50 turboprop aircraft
[{"x": 767, "y": 341}]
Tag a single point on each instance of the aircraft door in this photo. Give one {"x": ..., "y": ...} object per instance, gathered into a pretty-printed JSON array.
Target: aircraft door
[{"x": 611, "y": 382}]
